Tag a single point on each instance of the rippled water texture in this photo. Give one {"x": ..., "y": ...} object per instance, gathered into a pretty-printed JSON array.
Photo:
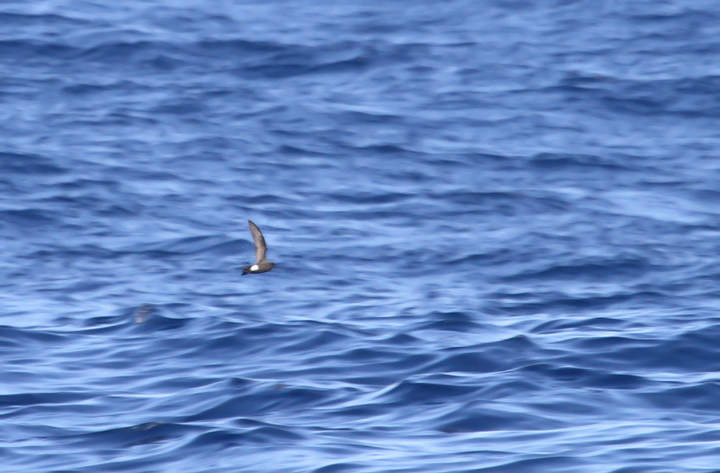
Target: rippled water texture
[{"x": 495, "y": 226}]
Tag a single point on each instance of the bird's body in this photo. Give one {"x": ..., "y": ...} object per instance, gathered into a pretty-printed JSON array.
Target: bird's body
[{"x": 262, "y": 265}]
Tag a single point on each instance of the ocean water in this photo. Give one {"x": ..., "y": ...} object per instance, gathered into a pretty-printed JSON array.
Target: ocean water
[{"x": 496, "y": 227}]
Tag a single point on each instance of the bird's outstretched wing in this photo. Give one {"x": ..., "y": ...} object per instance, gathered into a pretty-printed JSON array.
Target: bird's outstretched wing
[{"x": 260, "y": 247}]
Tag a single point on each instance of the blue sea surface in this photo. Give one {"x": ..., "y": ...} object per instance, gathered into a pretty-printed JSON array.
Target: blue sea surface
[{"x": 496, "y": 227}]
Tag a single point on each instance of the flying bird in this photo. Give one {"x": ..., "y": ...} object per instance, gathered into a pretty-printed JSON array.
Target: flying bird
[{"x": 262, "y": 265}]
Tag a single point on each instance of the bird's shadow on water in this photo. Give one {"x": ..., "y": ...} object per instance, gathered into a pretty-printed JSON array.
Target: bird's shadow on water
[{"x": 146, "y": 315}]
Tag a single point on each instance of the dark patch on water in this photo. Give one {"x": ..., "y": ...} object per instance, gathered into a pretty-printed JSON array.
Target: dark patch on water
[{"x": 494, "y": 230}]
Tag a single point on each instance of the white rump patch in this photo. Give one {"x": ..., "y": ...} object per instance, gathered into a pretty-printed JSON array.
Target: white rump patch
[{"x": 254, "y": 267}]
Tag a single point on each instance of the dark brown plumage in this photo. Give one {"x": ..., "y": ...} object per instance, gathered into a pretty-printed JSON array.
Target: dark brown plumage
[{"x": 262, "y": 265}]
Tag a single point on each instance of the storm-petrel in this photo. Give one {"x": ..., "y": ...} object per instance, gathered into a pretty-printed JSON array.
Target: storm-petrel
[{"x": 261, "y": 265}]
